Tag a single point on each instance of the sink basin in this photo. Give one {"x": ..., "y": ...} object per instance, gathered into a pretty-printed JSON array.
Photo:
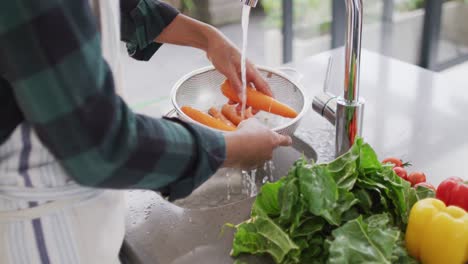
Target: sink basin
[
  {"x": 232, "y": 185},
  {"x": 190, "y": 230}
]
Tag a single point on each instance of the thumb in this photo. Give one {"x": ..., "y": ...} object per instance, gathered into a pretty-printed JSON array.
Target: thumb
[{"x": 284, "y": 140}]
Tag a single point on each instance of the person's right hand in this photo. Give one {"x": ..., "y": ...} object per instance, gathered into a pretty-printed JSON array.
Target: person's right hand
[{"x": 252, "y": 144}]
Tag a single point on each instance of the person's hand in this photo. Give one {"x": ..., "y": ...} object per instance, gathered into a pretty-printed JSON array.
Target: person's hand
[
  {"x": 226, "y": 58},
  {"x": 220, "y": 51},
  {"x": 252, "y": 144}
]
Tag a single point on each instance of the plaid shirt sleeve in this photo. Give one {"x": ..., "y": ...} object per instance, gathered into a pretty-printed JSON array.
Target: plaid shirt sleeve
[
  {"x": 51, "y": 56},
  {"x": 141, "y": 22}
]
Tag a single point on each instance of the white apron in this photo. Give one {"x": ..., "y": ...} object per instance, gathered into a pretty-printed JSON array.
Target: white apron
[{"x": 45, "y": 217}]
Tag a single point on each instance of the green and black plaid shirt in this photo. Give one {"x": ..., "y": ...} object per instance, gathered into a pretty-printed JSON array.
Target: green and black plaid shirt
[{"x": 53, "y": 76}]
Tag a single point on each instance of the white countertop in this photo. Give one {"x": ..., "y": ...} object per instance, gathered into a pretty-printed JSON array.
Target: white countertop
[{"x": 410, "y": 113}]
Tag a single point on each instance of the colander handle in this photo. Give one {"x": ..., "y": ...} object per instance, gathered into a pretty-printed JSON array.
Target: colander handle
[
  {"x": 171, "y": 113},
  {"x": 294, "y": 74}
]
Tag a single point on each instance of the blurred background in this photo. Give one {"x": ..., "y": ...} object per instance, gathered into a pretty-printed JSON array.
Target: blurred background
[{"x": 430, "y": 33}]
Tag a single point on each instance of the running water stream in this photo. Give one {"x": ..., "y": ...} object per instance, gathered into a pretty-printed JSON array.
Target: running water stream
[
  {"x": 249, "y": 186},
  {"x": 245, "y": 31}
]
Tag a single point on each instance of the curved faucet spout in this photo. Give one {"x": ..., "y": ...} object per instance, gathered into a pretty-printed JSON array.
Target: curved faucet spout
[
  {"x": 347, "y": 110},
  {"x": 353, "y": 50}
]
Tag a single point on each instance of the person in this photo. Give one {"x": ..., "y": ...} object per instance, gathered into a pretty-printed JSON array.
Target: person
[{"x": 68, "y": 142}]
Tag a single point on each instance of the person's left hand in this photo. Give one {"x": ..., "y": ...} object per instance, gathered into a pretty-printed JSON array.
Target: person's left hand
[{"x": 226, "y": 58}]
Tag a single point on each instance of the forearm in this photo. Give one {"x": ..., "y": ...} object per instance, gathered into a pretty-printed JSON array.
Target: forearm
[
  {"x": 186, "y": 31},
  {"x": 66, "y": 92}
]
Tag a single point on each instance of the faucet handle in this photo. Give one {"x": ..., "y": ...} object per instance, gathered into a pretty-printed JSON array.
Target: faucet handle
[
  {"x": 326, "y": 82},
  {"x": 325, "y": 103}
]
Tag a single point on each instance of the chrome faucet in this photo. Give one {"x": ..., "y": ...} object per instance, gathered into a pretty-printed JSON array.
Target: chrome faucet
[
  {"x": 251, "y": 3},
  {"x": 346, "y": 111}
]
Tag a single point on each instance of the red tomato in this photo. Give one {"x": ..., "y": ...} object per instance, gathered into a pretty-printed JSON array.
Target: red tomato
[
  {"x": 401, "y": 172},
  {"x": 416, "y": 177},
  {"x": 395, "y": 161},
  {"x": 425, "y": 184}
]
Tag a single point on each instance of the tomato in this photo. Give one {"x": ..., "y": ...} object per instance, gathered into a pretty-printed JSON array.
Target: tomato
[
  {"x": 401, "y": 172},
  {"x": 395, "y": 161},
  {"x": 425, "y": 184},
  {"x": 416, "y": 177}
]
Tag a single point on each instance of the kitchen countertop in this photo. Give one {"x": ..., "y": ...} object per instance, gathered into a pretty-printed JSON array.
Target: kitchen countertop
[{"x": 410, "y": 113}]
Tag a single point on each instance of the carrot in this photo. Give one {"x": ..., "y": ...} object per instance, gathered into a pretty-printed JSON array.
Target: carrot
[
  {"x": 218, "y": 115},
  {"x": 230, "y": 111},
  {"x": 205, "y": 119},
  {"x": 260, "y": 101}
]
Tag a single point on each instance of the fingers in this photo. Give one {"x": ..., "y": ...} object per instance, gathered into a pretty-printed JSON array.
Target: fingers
[
  {"x": 254, "y": 76},
  {"x": 239, "y": 108},
  {"x": 236, "y": 82},
  {"x": 284, "y": 141}
]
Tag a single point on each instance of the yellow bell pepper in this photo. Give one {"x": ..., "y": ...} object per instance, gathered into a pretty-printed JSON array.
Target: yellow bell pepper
[{"x": 437, "y": 234}]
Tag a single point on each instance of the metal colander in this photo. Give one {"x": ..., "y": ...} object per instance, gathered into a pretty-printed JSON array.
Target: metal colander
[{"x": 200, "y": 89}]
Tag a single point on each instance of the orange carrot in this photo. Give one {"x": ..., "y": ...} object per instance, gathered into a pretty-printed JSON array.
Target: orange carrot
[
  {"x": 260, "y": 101},
  {"x": 205, "y": 119},
  {"x": 230, "y": 111},
  {"x": 218, "y": 115}
]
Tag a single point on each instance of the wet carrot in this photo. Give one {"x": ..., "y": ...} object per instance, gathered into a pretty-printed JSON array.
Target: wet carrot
[
  {"x": 259, "y": 101},
  {"x": 230, "y": 111},
  {"x": 218, "y": 115},
  {"x": 205, "y": 119}
]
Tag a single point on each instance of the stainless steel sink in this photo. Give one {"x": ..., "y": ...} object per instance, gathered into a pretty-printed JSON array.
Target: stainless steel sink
[
  {"x": 189, "y": 231},
  {"x": 229, "y": 186}
]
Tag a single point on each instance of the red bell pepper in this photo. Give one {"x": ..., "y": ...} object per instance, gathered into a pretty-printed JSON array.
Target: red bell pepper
[{"x": 453, "y": 191}]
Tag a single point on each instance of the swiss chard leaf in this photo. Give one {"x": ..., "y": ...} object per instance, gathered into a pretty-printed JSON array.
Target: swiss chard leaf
[
  {"x": 267, "y": 200},
  {"x": 349, "y": 210},
  {"x": 364, "y": 199},
  {"x": 319, "y": 190},
  {"x": 314, "y": 252},
  {"x": 261, "y": 235},
  {"x": 424, "y": 192},
  {"x": 368, "y": 160},
  {"x": 288, "y": 199},
  {"x": 344, "y": 169},
  {"x": 309, "y": 226},
  {"x": 322, "y": 194},
  {"x": 400, "y": 255},
  {"x": 364, "y": 241},
  {"x": 345, "y": 201}
]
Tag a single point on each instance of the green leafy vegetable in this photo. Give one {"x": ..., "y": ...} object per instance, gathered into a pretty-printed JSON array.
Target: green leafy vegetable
[
  {"x": 262, "y": 235},
  {"x": 266, "y": 202},
  {"x": 288, "y": 200},
  {"x": 351, "y": 210},
  {"x": 364, "y": 241}
]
